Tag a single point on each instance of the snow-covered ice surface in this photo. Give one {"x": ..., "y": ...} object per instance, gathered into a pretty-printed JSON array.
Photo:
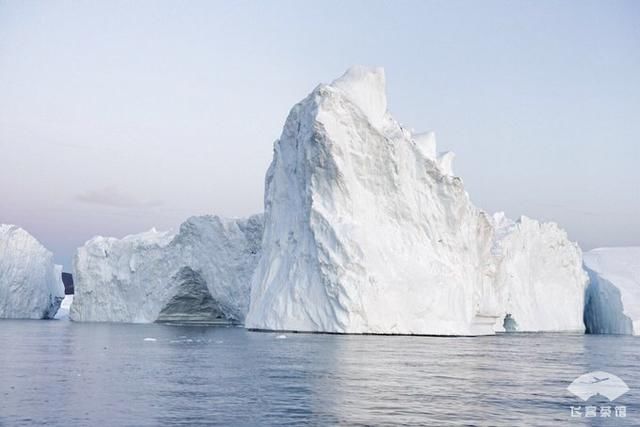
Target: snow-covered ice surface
[
  {"x": 613, "y": 296},
  {"x": 30, "y": 283},
  {"x": 200, "y": 274},
  {"x": 367, "y": 230},
  {"x": 63, "y": 311},
  {"x": 539, "y": 277}
]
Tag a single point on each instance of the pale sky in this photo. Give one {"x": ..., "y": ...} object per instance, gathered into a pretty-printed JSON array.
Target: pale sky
[{"x": 119, "y": 116}]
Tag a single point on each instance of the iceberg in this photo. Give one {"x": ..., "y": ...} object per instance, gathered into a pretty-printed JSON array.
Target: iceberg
[
  {"x": 30, "y": 283},
  {"x": 368, "y": 230},
  {"x": 612, "y": 303},
  {"x": 539, "y": 277},
  {"x": 200, "y": 274}
]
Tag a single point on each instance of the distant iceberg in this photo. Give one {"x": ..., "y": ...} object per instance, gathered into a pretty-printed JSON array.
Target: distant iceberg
[
  {"x": 30, "y": 283},
  {"x": 368, "y": 230},
  {"x": 200, "y": 274},
  {"x": 613, "y": 296}
]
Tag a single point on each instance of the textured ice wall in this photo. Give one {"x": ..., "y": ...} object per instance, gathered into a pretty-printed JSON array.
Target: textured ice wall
[
  {"x": 30, "y": 283},
  {"x": 202, "y": 273},
  {"x": 539, "y": 276},
  {"x": 613, "y": 297}
]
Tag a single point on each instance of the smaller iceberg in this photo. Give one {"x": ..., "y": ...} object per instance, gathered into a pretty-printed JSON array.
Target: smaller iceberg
[
  {"x": 612, "y": 302},
  {"x": 30, "y": 283},
  {"x": 201, "y": 274}
]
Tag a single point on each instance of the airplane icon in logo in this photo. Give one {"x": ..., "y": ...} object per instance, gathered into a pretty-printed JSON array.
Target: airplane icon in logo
[{"x": 598, "y": 383}]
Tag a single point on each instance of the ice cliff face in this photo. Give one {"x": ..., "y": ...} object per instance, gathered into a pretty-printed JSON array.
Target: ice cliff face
[
  {"x": 30, "y": 283},
  {"x": 613, "y": 296},
  {"x": 200, "y": 274},
  {"x": 539, "y": 277},
  {"x": 366, "y": 231}
]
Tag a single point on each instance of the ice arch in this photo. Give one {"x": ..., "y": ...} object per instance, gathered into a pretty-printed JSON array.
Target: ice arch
[{"x": 192, "y": 301}]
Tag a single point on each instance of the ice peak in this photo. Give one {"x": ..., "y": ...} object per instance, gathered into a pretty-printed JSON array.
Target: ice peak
[
  {"x": 445, "y": 162},
  {"x": 501, "y": 219},
  {"x": 366, "y": 88},
  {"x": 426, "y": 142}
]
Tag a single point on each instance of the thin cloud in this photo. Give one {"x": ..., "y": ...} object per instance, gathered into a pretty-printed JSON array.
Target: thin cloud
[{"x": 111, "y": 196}]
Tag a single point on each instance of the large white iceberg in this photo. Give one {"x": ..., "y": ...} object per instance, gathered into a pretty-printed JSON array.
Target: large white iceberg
[
  {"x": 539, "y": 277},
  {"x": 200, "y": 274},
  {"x": 30, "y": 283},
  {"x": 367, "y": 230},
  {"x": 613, "y": 297}
]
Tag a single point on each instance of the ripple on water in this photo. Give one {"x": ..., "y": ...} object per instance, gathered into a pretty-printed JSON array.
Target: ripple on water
[{"x": 63, "y": 373}]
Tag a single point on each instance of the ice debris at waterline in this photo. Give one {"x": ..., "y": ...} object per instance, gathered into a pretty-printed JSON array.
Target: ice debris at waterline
[
  {"x": 367, "y": 230},
  {"x": 200, "y": 274},
  {"x": 63, "y": 311},
  {"x": 613, "y": 296},
  {"x": 30, "y": 283}
]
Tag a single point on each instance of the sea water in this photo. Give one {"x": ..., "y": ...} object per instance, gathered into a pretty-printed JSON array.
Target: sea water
[{"x": 76, "y": 374}]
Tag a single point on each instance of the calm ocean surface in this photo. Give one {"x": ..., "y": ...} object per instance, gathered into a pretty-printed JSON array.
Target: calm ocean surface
[{"x": 73, "y": 374}]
